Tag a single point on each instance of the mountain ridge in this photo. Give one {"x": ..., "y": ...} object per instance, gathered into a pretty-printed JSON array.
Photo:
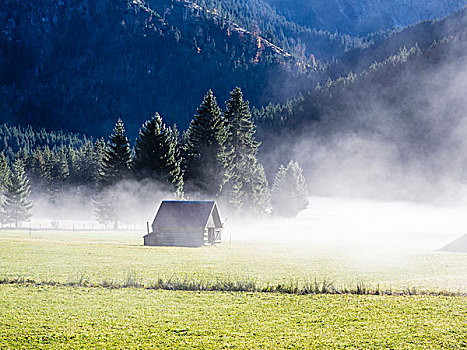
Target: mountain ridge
[
  {"x": 362, "y": 17},
  {"x": 78, "y": 65},
  {"x": 91, "y": 64}
]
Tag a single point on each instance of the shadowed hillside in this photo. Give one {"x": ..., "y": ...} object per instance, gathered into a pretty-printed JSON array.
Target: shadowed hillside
[
  {"x": 360, "y": 17},
  {"x": 401, "y": 120},
  {"x": 78, "y": 65}
]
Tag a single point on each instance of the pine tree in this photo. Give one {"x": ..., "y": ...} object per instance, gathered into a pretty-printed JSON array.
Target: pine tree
[
  {"x": 204, "y": 152},
  {"x": 4, "y": 179},
  {"x": 4, "y": 172},
  {"x": 157, "y": 156},
  {"x": 57, "y": 175},
  {"x": 17, "y": 205},
  {"x": 115, "y": 168},
  {"x": 83, "y": 166},
  {"x": 289, "y": 194},
  {"x": 36, "y": 169},
  {"x": 247, "y": 186},
  {"x": 117, "y": 159},
  {"x": 72, "y": 160},
  {"x": 98, "y": 155}
]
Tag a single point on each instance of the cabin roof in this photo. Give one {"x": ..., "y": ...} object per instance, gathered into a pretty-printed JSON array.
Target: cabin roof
[{"x": 186, "y": 215}]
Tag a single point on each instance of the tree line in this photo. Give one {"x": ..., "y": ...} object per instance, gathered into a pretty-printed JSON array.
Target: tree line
[{"x": 215, "y": 158}]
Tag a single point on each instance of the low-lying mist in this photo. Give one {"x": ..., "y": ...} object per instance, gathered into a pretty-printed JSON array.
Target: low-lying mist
[
  {"x": 388, "y": 171},
  {"x": 399, "y": 135},
  {"x": 368, "y": 226},
  {"x": 359, "y": 224},
  {"x": 384, "y": 182}
]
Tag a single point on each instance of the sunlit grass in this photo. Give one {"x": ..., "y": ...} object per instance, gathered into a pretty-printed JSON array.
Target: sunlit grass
[
  {"x": 113, "y": 256},
  {"x": 104, "y": 290},
  {"x": 59, "y": 317}
]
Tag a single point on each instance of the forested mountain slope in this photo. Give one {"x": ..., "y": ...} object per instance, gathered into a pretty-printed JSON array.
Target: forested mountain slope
[
  {"x": 361, "y": 17},
  {"x": 400, "y": 117},
  {"x": 430, "y": 46},
  {"x": 422, "y": 34},
  {"x": 77, "y": 65},
  {"x": 309, "y": 43}
]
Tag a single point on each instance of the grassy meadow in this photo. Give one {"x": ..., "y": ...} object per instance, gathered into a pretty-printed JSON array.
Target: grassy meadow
[
  {"x": 117, "y": 256},
  {"x": 51, "y": 317},
  {"x": 35, "y": 315}
]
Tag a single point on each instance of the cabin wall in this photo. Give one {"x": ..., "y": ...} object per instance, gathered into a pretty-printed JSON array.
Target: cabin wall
[{"x": 175, "y": 238}]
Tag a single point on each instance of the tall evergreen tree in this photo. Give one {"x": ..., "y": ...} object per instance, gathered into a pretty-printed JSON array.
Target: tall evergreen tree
[
  {"x": 247, "y": 186},
  {"x": 17, "y": 206},
  {"x": 117, "y": 159},
  {"x": 83, "y": 167},
  {"x": 72, "y": 160},
  {"x": 36, "y": 170},
  {"x": 289, "y": 194},
  {"x": 57, "y": 175},
  {"x": 4, "y": 172},
  {"x": 4, "y": 179},
  {"x": 204, "y": 152},
  {"x": 98, "y": 155},
  {"x": 115, "y": 168},
  {"x": 157, "y": 156}
]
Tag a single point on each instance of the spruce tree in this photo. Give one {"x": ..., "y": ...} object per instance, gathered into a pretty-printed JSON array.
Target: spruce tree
[
  {"x": 17, "y": 206},
  {"x": 157, "y": 156},
  {"x": 84, "y": 166},
  {"x": 98, "y": 155},
  {"x": 247, "y": 186},
  {"x": 204, "y": 152},
  {"x": 289, "y": 194},
  {"x": 117, "y": 158},
  {"x": 58, "y": 174},
  {"x": 4, "y": 179},
  {"x": 115, "y": 168},
  {"x": 4, "y": 172},
  {"x": 72, "y": 160},
  {"x": 36, "y": 169}
]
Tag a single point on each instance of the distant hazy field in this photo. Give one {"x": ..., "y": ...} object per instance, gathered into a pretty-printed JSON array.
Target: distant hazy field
[
  {"x": 39, "y": 316},
  {"x": 115, "y": 256}
]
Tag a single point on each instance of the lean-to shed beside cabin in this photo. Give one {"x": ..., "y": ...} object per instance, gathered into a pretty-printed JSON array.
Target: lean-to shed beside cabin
[
  {"x": 185, "y": 224},
  {"x": 457, "y": 246}
]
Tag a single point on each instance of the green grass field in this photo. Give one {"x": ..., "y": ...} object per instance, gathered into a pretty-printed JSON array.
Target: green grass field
[
  {"x": 44, "y": 317},
  {"x": 40, "y": 316},
  {"x": 114, "y": 256}
]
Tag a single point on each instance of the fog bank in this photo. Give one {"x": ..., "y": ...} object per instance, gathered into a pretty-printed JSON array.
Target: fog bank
[{"x": 362, "y": 224}]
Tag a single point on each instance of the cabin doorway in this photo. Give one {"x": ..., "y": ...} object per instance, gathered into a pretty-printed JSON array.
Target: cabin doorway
[{"x": 211, "y": 235}]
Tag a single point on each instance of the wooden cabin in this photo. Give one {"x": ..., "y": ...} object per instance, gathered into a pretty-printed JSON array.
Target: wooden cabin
[{"x": 185, "y": 224}]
